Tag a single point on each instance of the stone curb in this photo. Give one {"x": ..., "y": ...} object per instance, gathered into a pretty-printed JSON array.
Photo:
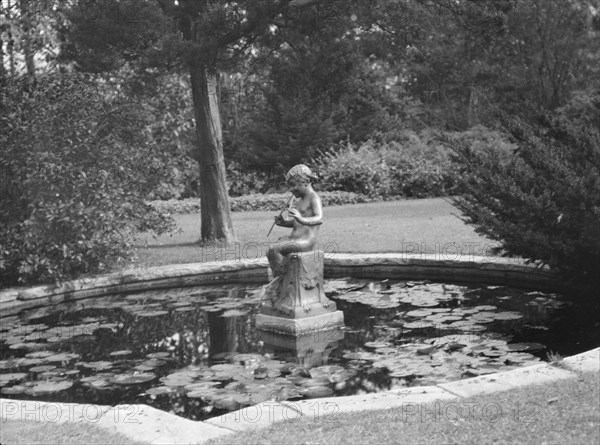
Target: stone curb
[
  {"x": 147, "y": 424},
  {"x": 492, "y": 270}
]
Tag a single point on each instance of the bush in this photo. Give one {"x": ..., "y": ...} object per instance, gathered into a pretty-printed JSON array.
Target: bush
[
  {"x": 264, "y": 202},
  {"x": 543, "y": 202},
  {"x": 361, "y": 170},
  {"x": 75, "y": 170},
  {"x": 407, "y": 166}
]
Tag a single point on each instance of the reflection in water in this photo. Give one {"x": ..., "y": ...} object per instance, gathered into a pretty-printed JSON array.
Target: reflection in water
[{"x": 309, "y": 350}]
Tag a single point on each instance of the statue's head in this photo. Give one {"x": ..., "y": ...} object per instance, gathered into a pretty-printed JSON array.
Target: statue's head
[{"x": 300, "y": 173}]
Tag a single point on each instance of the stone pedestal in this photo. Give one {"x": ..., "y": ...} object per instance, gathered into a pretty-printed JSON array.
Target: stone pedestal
[{"x": 294, "y": 303}]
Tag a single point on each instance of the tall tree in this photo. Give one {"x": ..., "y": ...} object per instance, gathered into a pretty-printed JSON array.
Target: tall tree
[{"x": 217, "y": 32}]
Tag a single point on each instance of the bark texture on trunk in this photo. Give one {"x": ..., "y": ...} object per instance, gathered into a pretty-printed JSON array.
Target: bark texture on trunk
[{"x": 214, "y": 198}]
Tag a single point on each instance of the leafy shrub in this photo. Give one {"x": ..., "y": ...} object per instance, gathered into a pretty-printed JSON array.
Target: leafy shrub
[
  {"x": 361, "y": 170},
  {"x": 543, "y": 203},
  {"x": 75, "y": 170},
  {"x": 407, "y": 166}
]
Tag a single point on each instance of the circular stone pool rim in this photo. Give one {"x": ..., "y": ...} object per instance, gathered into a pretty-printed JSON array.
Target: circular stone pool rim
[
  {"x": 155, "y": 426},
  {"x": 399, "y": 266}
]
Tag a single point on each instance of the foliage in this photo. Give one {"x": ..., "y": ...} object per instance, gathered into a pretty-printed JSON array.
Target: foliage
[
  {"x": 544, "y": 203},
  {"x": 408, "y": 165},
  {"x": 258, "y": 202},
  {"x": 76, "y": 168}
]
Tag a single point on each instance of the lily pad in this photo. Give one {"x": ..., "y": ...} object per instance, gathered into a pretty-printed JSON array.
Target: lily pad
[
  {"x": 160, "y": 390},
  {"x": 159, "y": 355},
  {"x": 97, "y": 366},
  {"x": 121, "y": 353},
  {"x": 49, "y": 387},
  {"x": 13, "y": 390},
  {"x": 134, "y": 379},
  {"x": 12, "y": 377},
  {"x": 44, "y": 368}
]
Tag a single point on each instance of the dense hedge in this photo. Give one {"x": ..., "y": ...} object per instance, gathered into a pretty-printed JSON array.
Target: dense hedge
[
  {"x": 267, "y": 202},
  {"x": 403, "y": 165}
]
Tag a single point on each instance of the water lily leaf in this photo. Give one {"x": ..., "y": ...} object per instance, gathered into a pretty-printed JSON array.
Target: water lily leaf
[
  {"x": 508, "y": 315},
  {"x": 44, "y": 368},
  {"x": 121, "y": 353},
  {"x": 133, "y": 379},
  {"x": 422, "y": 324},
  {"x": 62, "y": 357},
  {"x": 13, "y": 390},
  {"x": 160, "y": 390},
  {"x": 376, "y": 344},
  {"x": 28, "y": 346},
  {"x": 12, "y": 377},
  {"x": 39, "y": 354},
  {"x": 98, "y": 365},
  {"x": 159, "y": 355},
  {"x": 41, "y": 388}
]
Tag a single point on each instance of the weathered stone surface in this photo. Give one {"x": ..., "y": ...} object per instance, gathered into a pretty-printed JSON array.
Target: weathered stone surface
[
  {"x": 437, "y": 267},
  {"x": 585, "y": 362},
  {"x": 147, "y": 424},
  {"x": 491, "y": 270},
  {"x": 258, "y": 416},
  {"x": 298, "y": 292},
  {"x": 534, "y": 375},
  {"x": 325, "y": 409},
  {"x": 485, "y": 384}
]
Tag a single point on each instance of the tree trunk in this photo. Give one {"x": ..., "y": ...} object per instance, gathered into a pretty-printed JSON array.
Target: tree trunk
[
  {"x": 28, "y": 51},
  {"x": 214, "y": 198}
]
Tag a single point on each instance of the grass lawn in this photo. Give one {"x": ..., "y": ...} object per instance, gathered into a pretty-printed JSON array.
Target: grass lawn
[
  {"x": 419, "y": 226},
  {"x": 20, "y": 433}
]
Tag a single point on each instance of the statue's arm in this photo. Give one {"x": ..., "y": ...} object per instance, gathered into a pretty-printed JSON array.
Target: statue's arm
[{"x": 317, "y": 218}]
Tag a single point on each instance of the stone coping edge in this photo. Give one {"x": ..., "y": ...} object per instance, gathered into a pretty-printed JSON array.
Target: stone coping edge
[
  {"x": 143, "y": 423},
  {"x": 469, "y": 269}
]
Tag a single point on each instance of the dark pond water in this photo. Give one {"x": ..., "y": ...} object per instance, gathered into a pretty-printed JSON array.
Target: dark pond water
[{"x": 196, "y": 352}]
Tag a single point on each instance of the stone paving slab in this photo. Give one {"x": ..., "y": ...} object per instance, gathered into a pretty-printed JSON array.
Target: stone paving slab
[
  {"x": 324, "y": 410},
  {"x": 588, "y": 361},
  {"x": 485, "y": 384},
  {"x": 50, "y": 412},
  {"x": 147, "y": 424},
  {"x": 257, "y": 416},
  {"x": 534, "y": 375}
]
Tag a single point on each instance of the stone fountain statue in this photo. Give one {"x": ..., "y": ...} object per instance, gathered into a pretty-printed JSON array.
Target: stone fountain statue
[{"x": 294, "y": 302}]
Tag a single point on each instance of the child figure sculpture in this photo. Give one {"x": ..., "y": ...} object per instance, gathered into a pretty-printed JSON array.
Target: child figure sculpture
[
  {"x": 305, "y": 219},
  {"x": 298, "y": 281}
]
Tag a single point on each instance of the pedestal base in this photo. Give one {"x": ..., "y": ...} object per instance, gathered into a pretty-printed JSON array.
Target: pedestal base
[{"x": 300, "y": 326}]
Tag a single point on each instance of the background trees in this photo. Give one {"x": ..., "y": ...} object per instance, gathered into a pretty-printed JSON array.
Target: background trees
[{"x": 208, "y": 89}]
